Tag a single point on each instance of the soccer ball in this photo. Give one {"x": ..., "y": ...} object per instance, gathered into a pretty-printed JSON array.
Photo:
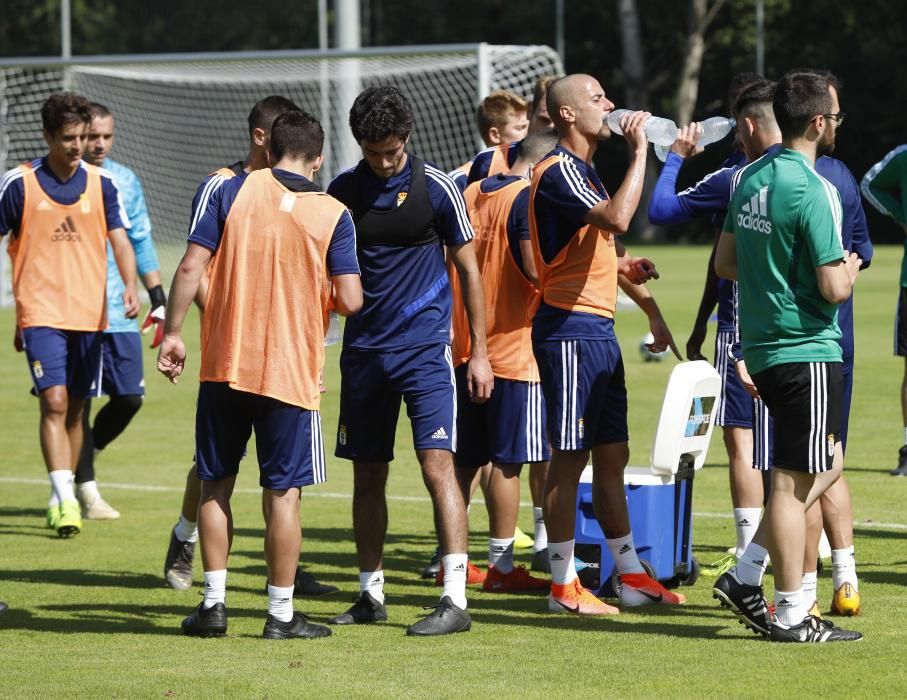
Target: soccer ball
[{"x": 646, "y": 354}]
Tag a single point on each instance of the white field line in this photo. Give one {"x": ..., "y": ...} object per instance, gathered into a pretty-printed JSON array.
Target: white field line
[{"x": 390, "y": 497}]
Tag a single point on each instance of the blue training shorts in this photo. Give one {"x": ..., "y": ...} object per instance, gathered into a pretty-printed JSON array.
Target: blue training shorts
[
  {"x": 585, "y": 392},
  {"x": 288, "y": 438},
  {"x": 371, "y": 385},
  {"x": 510, "y": 428},
  {"x": 63, "y": 358},
  {"x": 121, "y": 365},
  {"x": 735, "y": 408}
]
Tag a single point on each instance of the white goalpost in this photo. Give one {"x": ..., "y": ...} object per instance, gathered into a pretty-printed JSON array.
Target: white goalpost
[{"x": 182, "y": 116}]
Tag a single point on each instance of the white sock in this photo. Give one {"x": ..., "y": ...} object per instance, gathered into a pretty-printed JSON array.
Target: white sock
[
  {"x": 372, "y": 582},
  {"x": 185, "y": 530},
  {"x": 54, "y": 500},
  {"x": 455, "y": 578},
  {"x": 215, "y": 587},
  {"x": 88, "y": 492},
  {"x": 751, "y": 566},
  {"x": 280, "y": 602},
  {"x": 624, "y": 555},
  {"x": 541, "y": 532},
  {"x": 789, "y": 607},
  {"x": 747, "y": 520},
  {"x": 843, "y": 568},
  {"x": 563, "y": 567},
  {"x": 61, "y": 482},
  {"x": 905, "y": 434},
  {"x": 809, "y": 590},
  {"x": 500, "y": 554}
]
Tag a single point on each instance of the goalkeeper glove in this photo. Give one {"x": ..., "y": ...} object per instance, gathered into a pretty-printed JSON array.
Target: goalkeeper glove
[{"x": 155, "y": 317}]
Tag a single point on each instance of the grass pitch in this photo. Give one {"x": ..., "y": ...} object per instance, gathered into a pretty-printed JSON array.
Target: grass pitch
[{"x": 91, "y": 617}]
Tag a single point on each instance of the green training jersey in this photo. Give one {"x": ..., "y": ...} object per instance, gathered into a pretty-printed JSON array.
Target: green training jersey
[
  {"x": 885, "y": 188},
  {"x": 786, "y": 221}
]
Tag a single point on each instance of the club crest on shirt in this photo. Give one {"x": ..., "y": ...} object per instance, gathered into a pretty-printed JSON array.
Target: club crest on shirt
[
  {"x": 401, "y": 197},
  {"x": 85, "y": 204},
  {"x": 37, "y": 369}
]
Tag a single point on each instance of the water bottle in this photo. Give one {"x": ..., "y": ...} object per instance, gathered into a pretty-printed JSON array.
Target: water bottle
[
  {"x": 334, "y": 335},
  {"x": 658, "y": 129},
  {"x": 713, "y": 129}
]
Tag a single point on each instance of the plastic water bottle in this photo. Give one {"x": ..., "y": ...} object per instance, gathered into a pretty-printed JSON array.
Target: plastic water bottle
[
  {"x": 334, "y": 335},
  {"x": 658, "y": 130},
  {"x": 713, "y": 130}
]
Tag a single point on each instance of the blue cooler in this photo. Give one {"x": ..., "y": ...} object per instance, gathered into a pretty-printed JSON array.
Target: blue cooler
[{"x": 659, "y": 497}]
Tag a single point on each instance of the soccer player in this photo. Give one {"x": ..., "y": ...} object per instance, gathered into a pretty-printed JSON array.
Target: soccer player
[
  {"x": 501, "y": 119},
  {"x": 885, "y": 187},
  {"x": 60, "y": 212},
  {"x": 782, "y": 242},
  {"x": 573, "y": 227},
  {"x": 181, "y": 550},
  {"x": 500, "y": 158},
  {"x": 509, "y": 430},
  {"x": 761, "y": 136},
  {"x": 262, "y": 355},
  {"x": 122, "y": 377},
  {"x": 406, "y": 213}
]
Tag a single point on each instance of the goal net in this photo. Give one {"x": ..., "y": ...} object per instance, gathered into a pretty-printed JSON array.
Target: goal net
[{"x": 179, "y": 118}]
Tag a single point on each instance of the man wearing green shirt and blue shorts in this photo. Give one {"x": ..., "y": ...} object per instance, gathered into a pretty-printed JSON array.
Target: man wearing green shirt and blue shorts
[
  {"x": 885, "y": 188},
  {"x": 781, "y": 240}
]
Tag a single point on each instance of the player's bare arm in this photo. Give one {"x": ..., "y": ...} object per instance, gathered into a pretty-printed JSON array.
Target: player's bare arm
[
  {"x": 615, "y": 214},
  {"x": 479, "y": 378},
  {"x": 347, "y": 294},
  {"x": 661, "y": 334},
  {"x": 726, "y": 256},
  {"x": 836, "y": 278},
  {"x": 125, "y": 258},
  {"x": 532, "y": 274},
  {"x": 706, "y": 305},
  {"x": 172, "y": 355},
  {"x": 636, "y": 270}
]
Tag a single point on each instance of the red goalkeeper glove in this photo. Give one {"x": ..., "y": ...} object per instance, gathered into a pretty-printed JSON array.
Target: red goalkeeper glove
[{"x": 155, "y": 317}]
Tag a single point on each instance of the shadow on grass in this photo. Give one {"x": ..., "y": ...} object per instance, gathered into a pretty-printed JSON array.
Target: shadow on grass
[
  {"x": 866, "y": 530},
  {"x": 9, "y": 511},
  {"x": 80, "y": 577}
]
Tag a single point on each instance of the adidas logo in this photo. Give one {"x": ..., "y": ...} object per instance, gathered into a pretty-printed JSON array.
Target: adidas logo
[
  {"x": 759, "y": 562},
  {"x": 439, "y": 434},
  {"x": 498, "y": 549},
  {"x": 626, "y": 548},
  {"x": 460, "y": 567},
  {"x": 556, "y": 557},
  {"x": 743, "y": 522},
  {"x": 754, "y": 212},
  {"x": 784, "y": 603},
  {"x": 375, "y": 581},
  {"x": 66, "y": 231}
]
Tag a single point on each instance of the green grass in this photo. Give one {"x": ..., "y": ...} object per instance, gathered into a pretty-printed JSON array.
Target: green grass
[{"x": 90, "y": 617}]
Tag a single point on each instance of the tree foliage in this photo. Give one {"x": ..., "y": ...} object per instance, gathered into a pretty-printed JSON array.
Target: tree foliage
[{"x": 865, "y": 44}]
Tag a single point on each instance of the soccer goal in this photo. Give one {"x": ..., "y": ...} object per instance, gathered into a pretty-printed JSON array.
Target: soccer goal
[{"x": 181, "y": 116}]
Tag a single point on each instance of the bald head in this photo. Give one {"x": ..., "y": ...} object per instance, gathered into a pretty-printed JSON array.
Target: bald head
[{"x": 569, "y": 91}]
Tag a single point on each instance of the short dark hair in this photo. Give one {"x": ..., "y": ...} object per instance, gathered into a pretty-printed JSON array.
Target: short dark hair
[
  {"x": 738, "y": 84},
  {"x": 297, "y": 134},
  {"x": 800, "y": 96},
  {"x": 64, "y": 108},
  {"x": 267, "y": 110},
  {"x": 379, "y": 112},
  {"x": 99, "y": 111},
  {"x": 762, "y": 92},
  {"x": 537, "y": 145}
]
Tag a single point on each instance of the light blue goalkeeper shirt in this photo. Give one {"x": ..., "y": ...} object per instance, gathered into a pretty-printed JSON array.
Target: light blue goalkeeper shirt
[{"x": 139, "y": 233}]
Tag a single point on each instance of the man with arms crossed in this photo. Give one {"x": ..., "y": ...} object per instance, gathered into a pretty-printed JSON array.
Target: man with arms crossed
[
  {"x": 60, "y": 212},
  {"x": 262, "y": 355},
  {"x": 782, "y": 242}
]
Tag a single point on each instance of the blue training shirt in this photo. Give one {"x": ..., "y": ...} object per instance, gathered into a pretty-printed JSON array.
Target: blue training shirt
[
  {"x": 564, "y": 195},
  {"x": 406, "y": 290},
  {"x": 209, "y": 229},
  {"x": 139, "y": 232},
  {"x": 481, "y": 164}
]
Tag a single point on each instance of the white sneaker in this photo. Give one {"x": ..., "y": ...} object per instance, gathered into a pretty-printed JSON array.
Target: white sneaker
[{"x": 99, "y": 509}]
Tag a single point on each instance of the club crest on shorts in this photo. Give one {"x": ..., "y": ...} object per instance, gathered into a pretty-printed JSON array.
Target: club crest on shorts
[
  {"x": 341, "y": 434},
  {"x": 37, "y": 369},
  {"x": 831, "y": 445},
  {"x": 580, "y": 428}
]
